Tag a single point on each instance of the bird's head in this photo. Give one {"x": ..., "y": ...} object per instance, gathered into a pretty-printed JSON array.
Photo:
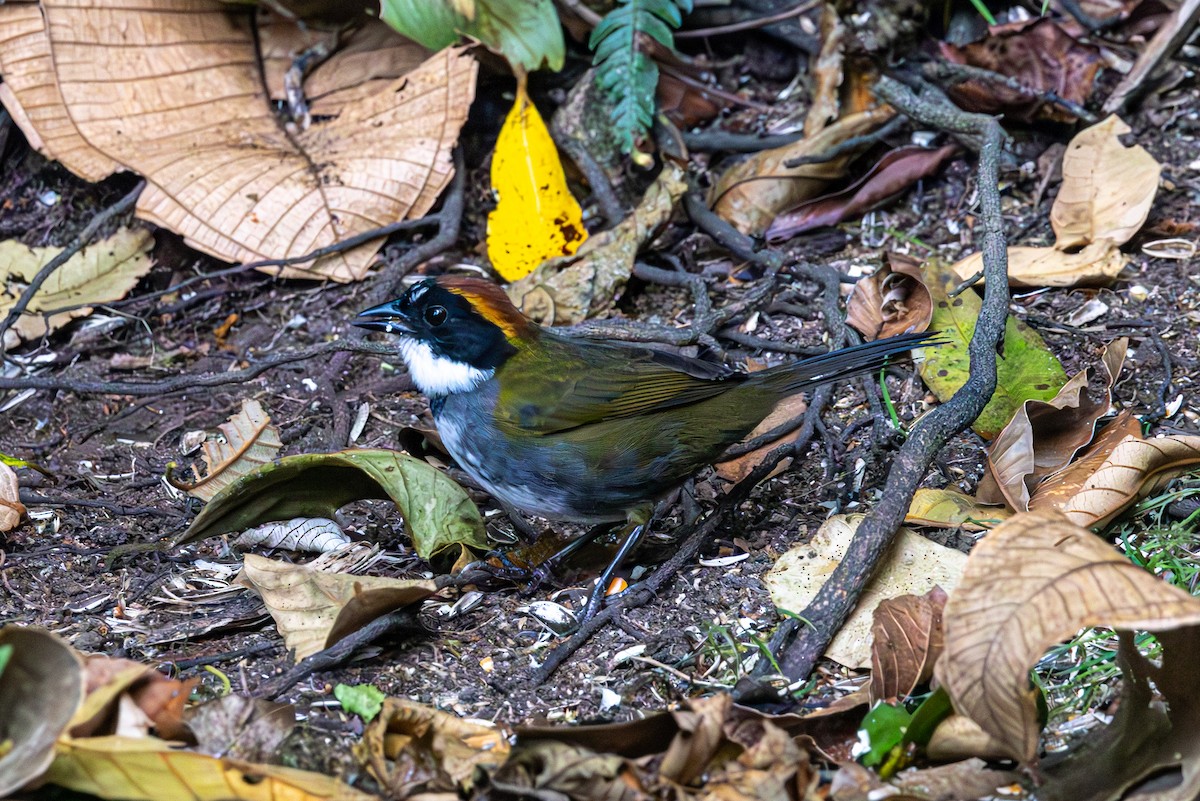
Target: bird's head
[{"x": 454, "y": 331}]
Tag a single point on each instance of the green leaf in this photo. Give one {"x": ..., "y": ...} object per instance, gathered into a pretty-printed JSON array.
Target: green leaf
[
  {"x": 437, "y": 512},
  {"x": 926, "y": 717},
  {"x": 526, "y": 32},
  {"x": 626, "y": 75},
  {"x": 363, "y": 700},
  {"x": 6, "y": 652},
  {"x": 882, "y": 730},
  {"x": 1026, "y": 370}
]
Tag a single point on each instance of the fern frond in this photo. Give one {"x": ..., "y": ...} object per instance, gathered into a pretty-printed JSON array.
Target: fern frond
[{"x": 626, "y": 75}]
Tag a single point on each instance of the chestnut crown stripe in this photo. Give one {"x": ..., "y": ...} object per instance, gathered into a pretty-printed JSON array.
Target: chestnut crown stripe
[{"x": 491, "y": 302}]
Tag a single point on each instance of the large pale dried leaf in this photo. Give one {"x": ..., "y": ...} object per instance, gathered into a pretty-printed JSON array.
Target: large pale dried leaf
[
  {"x": 1044, "y": 436},
  {"x": 11, "y": 508},
  {"x": 1062, "y": 485},
  {"x": 100, "y": 273},
  {"x": 437, "y": 512},
  {"x": 906, "y": 634},
  {"x": 1036, "y": 580},
  {"x": 370, "y": 57},
  {"x": 314, "y": 609},
  {"x": 149, "y": 769},
  {"x": 409, "y": 744},
  {"x": 751, "y": 194},
  {"x": 1096, "y": 264},
  {"x": 1107, "y": 188},
  {"x": 895, "y": 172},
  {"x": 536, "y": 216},
  {"x": 950, "y": 508},
  {"x": 1027, "y": 369},
  {"x": 247, "y": 442},
  {"x": 220, "y": 168},
  {"x": 1041, "y": 56},
  {"x": 1135, "y": 468},
  {"x": 570, "y": 289},
  {"x": 913, "y": 566},
  {"x": 40, "y": 689},
  {"x": 890, "y": 301}
]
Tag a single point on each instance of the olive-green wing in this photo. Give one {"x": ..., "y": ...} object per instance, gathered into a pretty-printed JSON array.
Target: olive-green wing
[{"x": 548, "y": 392}]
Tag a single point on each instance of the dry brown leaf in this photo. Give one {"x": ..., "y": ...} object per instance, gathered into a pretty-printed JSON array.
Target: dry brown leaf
[
  {"x": 11, "y": 508},
  {"x": 1036, "y": 580},
  {"x": 958, "y": 737},
  {"x": 949, "y": 508},
  {"x": 826, "y": 72},
  {"x": 1095, "y": 265},
  {"x": 914, "y": 565},
  {"x": 370, "y": 57},
  {"x": 1059, "y": 487},
  {"x": 248, "y": 441},
  {"x": 1107, "y": 188},
  {"x": 102, "y": 272},
  {"x": 570, "y": 289},
  {"x": 1135, "y": 468},
  {"x": 753, "y": 192},
  {"x": 40, "y": 689},
  {"x": 906, "y": 637},
  {"x": 410, "y": 745},
  {"x": 313, "y": 609},
  {"x": 738, "y": 468},
  {"x": 220, "y": 169},
  {"x": 150, "y": 769},
  {"x": 239, "y": 727},
  {"x": 157, "y": 700},
  {"x": 890, "y": 301},
  {"x": 1044, "y": 436}
]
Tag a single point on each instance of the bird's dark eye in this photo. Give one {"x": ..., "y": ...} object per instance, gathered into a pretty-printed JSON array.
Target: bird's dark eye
[{"x": 435, "y": 315}]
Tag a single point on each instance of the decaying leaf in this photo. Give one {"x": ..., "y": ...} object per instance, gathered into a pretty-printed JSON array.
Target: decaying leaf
[
  {"x": 914, "y": 566},
  {"x": 437, "y": 512},
  {"x": 11, "y": 508},
  {"x": 1036, "y": 580},
  {"x": 1057, "y": 488},
  {"x": 150, "y": 769},
  {"x": 568, "y": 290},
  {"x": 100, "y": 273},
  {"x": 1040, "y": 55},
  {"x": 890, "y": 301},
  {"x": 410, "y": 746},
  {"x": 247, "y": 442},
  {"x": 906, "y": 643},
  {"x": 40, "y": 689},
  {"x": 1026, "y": 370},
  {"x": 312, "y": 534},
  {"x": 131, "y": 698},
  {"x": 1044, "y": 436},
  {"x": 752, "y": 193},
  {"x": 949, "y": 508},
  {"x": 826, "y": 72},
  {"x": 1106, "y": 195},
  {"x": 235, "y": 726},
  {"x": 313, "y": 608},
  {"x": 536, "y": 216},
  {"x": 231, "y": 179},
  {"x": 891, "y": 175}
]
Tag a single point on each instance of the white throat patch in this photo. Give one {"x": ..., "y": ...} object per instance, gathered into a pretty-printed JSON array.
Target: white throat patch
[{"x": 437, "y": 376}]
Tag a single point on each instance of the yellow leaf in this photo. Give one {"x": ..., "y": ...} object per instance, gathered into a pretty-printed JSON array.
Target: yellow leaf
[{"x": 536, "y": 217}]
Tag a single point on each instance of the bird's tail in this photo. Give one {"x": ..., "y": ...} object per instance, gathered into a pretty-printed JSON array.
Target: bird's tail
[{"x": 839, "y": 364}]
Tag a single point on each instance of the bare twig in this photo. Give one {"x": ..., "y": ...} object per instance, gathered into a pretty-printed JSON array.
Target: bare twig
[{"x": 835, "y": 600}]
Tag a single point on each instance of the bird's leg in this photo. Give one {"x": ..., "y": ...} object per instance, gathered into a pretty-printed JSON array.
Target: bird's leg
[
  {"x": 635, "y": 528},
  {"x": 533, "y": 563}
]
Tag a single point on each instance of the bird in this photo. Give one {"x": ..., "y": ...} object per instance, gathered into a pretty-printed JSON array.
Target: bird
[{"x": 583, "y": 430}]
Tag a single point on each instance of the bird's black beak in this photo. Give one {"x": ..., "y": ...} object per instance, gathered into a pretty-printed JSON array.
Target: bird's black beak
[{"x": 385, "y": 317}]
